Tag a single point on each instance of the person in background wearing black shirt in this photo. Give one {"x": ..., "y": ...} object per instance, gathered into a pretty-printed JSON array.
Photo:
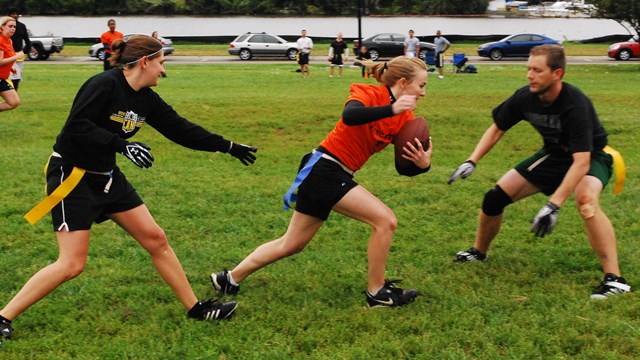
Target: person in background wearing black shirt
[
  {"x": 363, "y": 54},
  {"x": 337, "y": 49},
  {"x": 109, "y": 109},
  {"x": 21, "y": 42},
  {"x": 572, "y": 161}
]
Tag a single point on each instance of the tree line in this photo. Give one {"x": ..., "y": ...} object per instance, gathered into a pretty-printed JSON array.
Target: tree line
[
  {"x": 247, "y": 7},
  {"x": 626, "y": 12}
]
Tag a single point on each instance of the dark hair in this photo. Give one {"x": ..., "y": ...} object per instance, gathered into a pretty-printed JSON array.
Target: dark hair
[
  {"x": 12, "y": 10},
  {"x": 125, "y": 53},
  {"x": 555, "y": 56},
  {"x": 389, "y": 73}
]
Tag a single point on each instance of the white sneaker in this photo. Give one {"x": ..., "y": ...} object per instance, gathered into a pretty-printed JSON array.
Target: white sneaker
[{"x": 440, "y": 77}]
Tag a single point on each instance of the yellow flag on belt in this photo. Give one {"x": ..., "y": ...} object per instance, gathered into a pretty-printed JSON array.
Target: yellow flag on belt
[
  {"x": 55, "y": 197},
  {"x": 618, "y": 168}
]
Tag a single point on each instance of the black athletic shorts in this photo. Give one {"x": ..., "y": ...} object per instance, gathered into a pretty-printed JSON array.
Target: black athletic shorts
[
  {"x": 303, "y": 59},
  {"x": 325, "y": 185},
  {"x": 337, "y": 60},
  {"x": 547, "y": 171},
  {"x": 5, "y": 85},
  {"x": 439, "y": 58},
  {"x": 87, "y": 202}
]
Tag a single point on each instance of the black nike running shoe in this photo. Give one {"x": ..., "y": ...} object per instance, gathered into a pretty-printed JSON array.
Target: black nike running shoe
[{"x": 390, "y": 295}]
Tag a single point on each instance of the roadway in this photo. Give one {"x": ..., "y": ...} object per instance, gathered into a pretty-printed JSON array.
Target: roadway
[{"x": 228, "y": 59}]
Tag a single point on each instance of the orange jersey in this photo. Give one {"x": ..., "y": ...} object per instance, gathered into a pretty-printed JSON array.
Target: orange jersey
[
  {"x": 107, "y": 38},
  {"x": 6, "y": 46},
  {"x": 354, "y": 145}
]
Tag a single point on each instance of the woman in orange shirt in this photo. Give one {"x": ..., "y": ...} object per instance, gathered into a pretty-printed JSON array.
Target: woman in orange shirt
[
  {"x": 371, "y": 118},
  {"x": 7, "y": 57}
]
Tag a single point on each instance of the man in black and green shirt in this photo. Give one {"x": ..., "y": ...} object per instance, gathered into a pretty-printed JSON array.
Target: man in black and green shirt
[{"x": 572, "y": 160}]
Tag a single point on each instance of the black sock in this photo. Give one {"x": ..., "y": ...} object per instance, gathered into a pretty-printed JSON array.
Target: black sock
[
  {"x": 5, "y": 320},
  {"x": 195, "y": 310}
]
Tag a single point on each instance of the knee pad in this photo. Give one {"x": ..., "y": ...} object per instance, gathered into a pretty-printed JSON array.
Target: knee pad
[
  {"x": 495, "y": 200},
  {"x": 587, "y": 211}
]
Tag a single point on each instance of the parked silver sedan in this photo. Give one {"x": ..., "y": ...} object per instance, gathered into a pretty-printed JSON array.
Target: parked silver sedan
[{"x": 249, "y": 45}]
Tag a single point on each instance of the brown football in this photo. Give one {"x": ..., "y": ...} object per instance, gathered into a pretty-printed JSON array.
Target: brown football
[{"x": 416, "y": 128}]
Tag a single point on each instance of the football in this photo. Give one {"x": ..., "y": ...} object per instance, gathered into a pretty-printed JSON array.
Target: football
[{"x": 416, "y": 128}]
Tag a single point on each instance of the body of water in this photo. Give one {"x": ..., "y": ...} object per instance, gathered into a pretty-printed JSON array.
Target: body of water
[{"x": 425, "y": 26}]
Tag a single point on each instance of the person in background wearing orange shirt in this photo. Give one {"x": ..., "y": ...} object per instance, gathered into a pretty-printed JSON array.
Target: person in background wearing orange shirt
[
  {"x": 107, "y": 39},
  {"x": 7, "y": 57},
  {"x": 372, "y": 116}
]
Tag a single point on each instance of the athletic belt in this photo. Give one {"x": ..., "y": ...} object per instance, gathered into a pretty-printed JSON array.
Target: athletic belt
[
  {"x": 316, "y": 155},
  {"x": 618, "y": 168},
  {"x": 343, "y": 166},
  {"x": 40, "y": 210}
]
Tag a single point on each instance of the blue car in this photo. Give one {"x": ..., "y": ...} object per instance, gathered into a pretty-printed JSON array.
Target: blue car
[{"x": 517, "y": 45}]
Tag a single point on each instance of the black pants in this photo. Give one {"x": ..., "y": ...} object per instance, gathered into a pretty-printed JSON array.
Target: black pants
[{"x": 106, "y": 63}]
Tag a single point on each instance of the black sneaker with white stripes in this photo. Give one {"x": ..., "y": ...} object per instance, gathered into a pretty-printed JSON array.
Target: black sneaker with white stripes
[
  {"x": 209, "y": 310},
  {"x": 390, "y": 295},
  {"x": 611, "y": 285},
  {"x": 5, "y": 330},
  {"x": 222, "y": 284},
  {"x": 470, "y": 255}
]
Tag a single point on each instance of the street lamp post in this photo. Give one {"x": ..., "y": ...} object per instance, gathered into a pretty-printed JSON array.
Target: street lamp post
[{"x": 360, "y": 11}]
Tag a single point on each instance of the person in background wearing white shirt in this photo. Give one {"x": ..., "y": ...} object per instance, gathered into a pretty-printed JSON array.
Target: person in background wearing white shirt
[
  {"x": 411, "y": 45},
  {"x": 304, "y": 44}
]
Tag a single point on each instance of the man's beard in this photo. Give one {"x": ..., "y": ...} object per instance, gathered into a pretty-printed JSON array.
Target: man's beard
[{"x": 541, "y": 90}]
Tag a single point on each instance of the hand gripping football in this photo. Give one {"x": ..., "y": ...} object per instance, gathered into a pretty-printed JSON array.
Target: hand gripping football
[{"x": 416, "y": 128}]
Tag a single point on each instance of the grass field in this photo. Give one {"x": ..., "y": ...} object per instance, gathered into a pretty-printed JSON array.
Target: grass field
[{"x": 529, "y": 301}]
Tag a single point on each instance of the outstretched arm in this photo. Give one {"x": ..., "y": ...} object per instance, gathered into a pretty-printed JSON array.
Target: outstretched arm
[
  {"x": 490, "y": 137},
  {"x": 578, "y": 169},
  {"x": 547, "y": 217}
]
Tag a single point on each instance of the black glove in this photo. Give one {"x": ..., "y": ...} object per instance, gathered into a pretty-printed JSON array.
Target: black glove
[
  {"x": 462, "y": 171},
  {"x": 546, "y": 219},
  {"x": 139, "y": 154},
  {"x": 243, "y": 153}
]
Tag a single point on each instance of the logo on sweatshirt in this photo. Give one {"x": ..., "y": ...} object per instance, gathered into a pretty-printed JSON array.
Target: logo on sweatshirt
[{"x": 129, "y": 119}]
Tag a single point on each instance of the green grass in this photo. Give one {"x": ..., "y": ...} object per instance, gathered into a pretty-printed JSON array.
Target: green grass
[{"x": 530, "y": 301}]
